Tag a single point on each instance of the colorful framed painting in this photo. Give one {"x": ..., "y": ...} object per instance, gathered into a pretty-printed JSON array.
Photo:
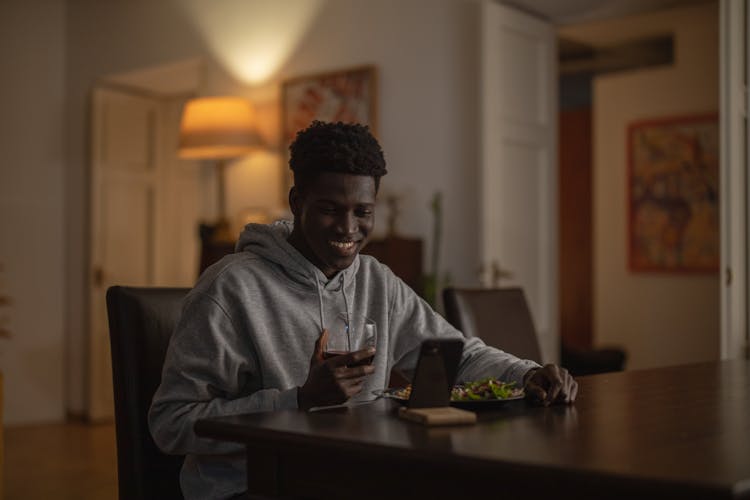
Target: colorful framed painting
[
  {"x": 673, "y": 194},
  {"x": 349, "y": 96}
]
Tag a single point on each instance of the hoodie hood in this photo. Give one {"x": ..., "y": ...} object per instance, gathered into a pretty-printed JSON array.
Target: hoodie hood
[{"x": 270, "y": 243}]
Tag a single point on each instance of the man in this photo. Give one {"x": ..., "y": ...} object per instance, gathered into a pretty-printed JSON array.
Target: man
[{"x": 253, "y": 331}]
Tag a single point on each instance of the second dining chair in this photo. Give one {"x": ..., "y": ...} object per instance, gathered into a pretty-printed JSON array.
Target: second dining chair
[
  {"x": 502, "y": 319},
  {"x": 499, "y": 316}
]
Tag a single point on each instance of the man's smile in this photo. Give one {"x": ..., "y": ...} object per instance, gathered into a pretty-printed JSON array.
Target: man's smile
[{"x": 343, "y": 247}]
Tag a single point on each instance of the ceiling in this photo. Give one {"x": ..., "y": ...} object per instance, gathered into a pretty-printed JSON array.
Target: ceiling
[{"x": 564, "y": 12}]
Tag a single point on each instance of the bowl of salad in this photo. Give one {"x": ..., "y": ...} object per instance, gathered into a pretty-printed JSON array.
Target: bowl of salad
[{"x": 485, "y": 393}]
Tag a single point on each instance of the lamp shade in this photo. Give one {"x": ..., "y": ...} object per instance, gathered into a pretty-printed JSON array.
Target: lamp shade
[{"x": 217, "y": 128}]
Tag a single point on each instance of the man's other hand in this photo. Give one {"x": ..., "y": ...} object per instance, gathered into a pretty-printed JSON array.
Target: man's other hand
[
  {"x": 334, "y": 380},
  {"x": 550, "y": 384}
]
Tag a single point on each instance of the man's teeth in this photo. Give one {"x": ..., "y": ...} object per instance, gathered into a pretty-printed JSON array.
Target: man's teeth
[{"x": 342, "y": 244}]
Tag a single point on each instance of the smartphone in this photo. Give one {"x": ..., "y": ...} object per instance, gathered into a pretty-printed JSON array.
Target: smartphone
[{"x": 436, "y": 372}]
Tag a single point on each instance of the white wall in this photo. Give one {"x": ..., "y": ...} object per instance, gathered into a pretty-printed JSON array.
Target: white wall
[
  {"x": 659, "y": 319},
  {"x": 425, "y": 51},
  {"x": 32, "y": 215}
]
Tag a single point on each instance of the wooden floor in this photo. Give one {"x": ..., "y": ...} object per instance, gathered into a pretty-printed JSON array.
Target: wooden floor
[{"x": 75, "y": 461}]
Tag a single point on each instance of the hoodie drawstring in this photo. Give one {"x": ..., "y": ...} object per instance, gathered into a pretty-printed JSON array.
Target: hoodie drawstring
[
  {"x": 320, "y": 304},
  {"x": 346, "y": 308}
]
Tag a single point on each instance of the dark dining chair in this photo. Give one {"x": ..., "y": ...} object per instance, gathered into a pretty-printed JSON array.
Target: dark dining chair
[
  {"x": 502, "y": 319},
  {"x": 498, "y": 316},
  {"x": 141, "y": 321}
]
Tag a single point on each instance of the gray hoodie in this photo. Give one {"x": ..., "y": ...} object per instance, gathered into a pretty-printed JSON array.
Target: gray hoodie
[{"x": 246, "y": 335}]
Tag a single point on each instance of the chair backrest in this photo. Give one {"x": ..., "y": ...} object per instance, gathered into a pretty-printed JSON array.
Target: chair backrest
[
  {"x": 141, "y": 321},
  {"x": 499, "y": 316}
]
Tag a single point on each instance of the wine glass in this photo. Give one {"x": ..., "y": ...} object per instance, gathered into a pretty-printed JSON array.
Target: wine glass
[{"x": 348, "y": 333}]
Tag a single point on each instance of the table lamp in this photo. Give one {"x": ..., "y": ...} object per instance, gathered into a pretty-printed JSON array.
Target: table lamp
[{"x": 218, "y": 128}]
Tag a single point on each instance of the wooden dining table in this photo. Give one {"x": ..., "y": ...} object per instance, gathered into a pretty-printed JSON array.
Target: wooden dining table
[{"x": 673, "y": 432}]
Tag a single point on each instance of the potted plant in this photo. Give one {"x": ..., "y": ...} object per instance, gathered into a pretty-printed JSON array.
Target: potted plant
[{"x": 433, "y": 282}]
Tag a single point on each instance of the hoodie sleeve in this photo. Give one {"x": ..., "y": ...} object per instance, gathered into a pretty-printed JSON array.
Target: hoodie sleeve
[
  {"x": 207, "y": 372},
  {"x": 412, "y": 321}
]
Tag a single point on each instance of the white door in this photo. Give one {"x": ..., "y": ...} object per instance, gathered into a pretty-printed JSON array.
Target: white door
[
  {"x": 123, "y": 219},
  {"x": 146, "y": 205},
  {"x": 518, "y": 179}
]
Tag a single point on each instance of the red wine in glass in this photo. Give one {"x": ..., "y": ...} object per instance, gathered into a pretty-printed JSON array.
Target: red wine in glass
[{"x": 330, "y": 354}]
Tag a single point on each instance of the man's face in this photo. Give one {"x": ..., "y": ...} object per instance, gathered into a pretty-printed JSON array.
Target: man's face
[{"x": 333, "y": 218}]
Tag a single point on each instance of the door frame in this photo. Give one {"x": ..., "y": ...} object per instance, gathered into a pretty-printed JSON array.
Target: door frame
[{"x": 734, "y": 16}]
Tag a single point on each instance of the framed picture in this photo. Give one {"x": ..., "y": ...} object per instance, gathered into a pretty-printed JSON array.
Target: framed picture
[
  {"x": 673, "y": 194},
  {"x": 347, "y": 95}
]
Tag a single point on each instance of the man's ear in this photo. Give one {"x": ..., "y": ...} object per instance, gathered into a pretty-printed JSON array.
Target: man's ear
[{"x": 294, "y": 200}]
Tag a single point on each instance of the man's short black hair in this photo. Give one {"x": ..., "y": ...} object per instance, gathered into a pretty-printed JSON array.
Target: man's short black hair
[{"x": 349, "y": 148}]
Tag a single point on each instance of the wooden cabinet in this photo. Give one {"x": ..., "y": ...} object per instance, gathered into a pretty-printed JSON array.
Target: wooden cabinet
[
  {"x": 402, "y": 255},
  {"x": 212, "y": 248}
]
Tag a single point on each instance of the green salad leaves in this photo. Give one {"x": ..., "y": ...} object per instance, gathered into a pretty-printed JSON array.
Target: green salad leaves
[{"x": 481, "y": 390}]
